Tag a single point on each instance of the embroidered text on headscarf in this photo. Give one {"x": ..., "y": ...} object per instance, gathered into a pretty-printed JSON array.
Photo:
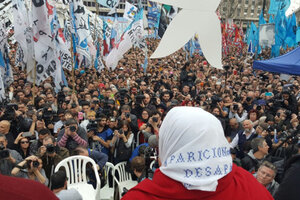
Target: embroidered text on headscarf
[{"x": 193, "y": 148}]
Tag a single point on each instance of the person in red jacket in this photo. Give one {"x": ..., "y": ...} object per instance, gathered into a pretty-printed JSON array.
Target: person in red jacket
[
  {"x": 195, "y": 163},
  {"x": 12, "y": 188}
]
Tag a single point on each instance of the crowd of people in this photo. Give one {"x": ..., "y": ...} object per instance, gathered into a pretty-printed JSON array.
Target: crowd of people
[{"x": 114, "y": 113}]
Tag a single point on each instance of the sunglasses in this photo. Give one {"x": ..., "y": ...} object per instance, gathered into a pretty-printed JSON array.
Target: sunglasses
[{"x": 24, "y": 142}]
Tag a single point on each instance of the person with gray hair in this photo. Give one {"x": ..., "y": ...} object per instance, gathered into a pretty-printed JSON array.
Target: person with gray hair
[
  {"x": 8, "y": 157},
  {"x": 242, "y": 137},
  {"x": 257, "y": 154},
  {"x": 266, "y": 174}
]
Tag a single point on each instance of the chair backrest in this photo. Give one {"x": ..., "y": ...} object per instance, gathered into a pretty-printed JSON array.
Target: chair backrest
[
  {"x": 75, "y": 167},
  {"x": 122, "y": 174},
  {"x": 110, "y": 170}
]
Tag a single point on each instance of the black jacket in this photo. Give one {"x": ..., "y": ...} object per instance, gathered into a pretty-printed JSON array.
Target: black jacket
[{"x": 289, "y": 187}]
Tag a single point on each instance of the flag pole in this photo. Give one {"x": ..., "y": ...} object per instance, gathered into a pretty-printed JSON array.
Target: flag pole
[
  {"x": 73, "y": 64},
  {"x": 34, "y": 81}
]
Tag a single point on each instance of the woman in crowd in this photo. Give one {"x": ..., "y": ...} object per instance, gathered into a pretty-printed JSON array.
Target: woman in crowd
[
  {"x": 23, "y": 145},
  {"x": 31, "y": 168},
  {"x": 121, "y": 142}
]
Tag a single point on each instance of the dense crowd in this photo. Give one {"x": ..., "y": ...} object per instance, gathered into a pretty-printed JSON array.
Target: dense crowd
[{"x": 110, "y": 116}]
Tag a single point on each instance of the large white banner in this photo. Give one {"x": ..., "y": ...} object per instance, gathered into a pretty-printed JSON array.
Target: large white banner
[
  {"x": 266, "y": 35},
  {"x": 45, "y": 56}
]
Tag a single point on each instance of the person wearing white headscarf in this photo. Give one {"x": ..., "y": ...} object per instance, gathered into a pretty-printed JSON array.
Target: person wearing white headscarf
[{"x": 195, "y": 162}]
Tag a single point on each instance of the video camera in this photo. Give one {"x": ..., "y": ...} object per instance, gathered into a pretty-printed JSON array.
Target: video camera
[
  {"x": 92, "y": 126},
  {"x": 50, "y": 148}
]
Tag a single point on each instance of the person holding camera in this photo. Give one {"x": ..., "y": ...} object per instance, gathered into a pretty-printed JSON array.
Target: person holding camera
[
  {"x": 237, "y": 111},
  {"x": 36, "y": 144},
  {"x": 8, "y": 157},
  {"x": 152, "y": 126},
  {"x": 121, "y": 143},
  {"x": 130, "y": 118},
  {"x": 51, "y": 154},
  {"x": 31, "y": 168},
  {"x": 72, "y": 136}
]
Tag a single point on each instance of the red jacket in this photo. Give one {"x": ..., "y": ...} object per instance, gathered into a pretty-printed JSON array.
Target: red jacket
[
  {"x": 12, "y": 188},
  {"x": 237, "y": 185}
]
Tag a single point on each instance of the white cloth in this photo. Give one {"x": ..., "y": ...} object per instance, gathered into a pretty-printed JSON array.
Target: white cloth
[{"x": 193, "y": 149}]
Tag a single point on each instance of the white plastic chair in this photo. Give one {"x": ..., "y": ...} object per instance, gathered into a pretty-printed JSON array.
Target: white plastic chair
[
  {"x": 75, "y": 167},
  {"x": 107, "y": 192},
  {"x": 124, "y": 178}
]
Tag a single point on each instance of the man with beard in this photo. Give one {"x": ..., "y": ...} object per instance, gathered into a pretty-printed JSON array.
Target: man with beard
[
  {"x": 242, "y": 137},
  {"x": 103, "y": 134}
]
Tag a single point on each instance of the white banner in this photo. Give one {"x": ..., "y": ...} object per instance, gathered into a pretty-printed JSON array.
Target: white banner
[
  {"x": 266, "y": 35},
  {"x": 130, "y": 11},
  {"x": 133, "y": 34},
  {"x": 46, "y": 58}
]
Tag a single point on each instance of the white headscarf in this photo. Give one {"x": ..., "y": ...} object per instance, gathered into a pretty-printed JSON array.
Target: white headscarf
[{"x": 193, "y": 149}]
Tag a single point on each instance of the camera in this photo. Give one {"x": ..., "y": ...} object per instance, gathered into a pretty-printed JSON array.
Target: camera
[
  {"x": 3, "y": 153},
  {"x": 215, "y": 99},
  {"x": 235, "y": 107},
  {"x": 50, "y": 148},
  {"x": 35, "y": 164},
  {"x": 73, "y": 105},
  {"x": 121, "y": 131},
  {"x": 258, "y": 108},
  {"x": 72, "y": 128},
  {"x": 127, "y": 115},
  {"x": 248, "y": 99},
  {"x": 92, "y": 126},
  {"x": 154, "y": 119}
]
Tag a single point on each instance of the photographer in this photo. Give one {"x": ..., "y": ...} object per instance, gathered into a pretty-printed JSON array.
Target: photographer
[
  {"x": 31, "y": 168},
  {"x": 237, "y": 111},
  {"x": 121, "y": 143},
  {"x": 8, "y": 158},
  {"x": 36, "y": 144},
  {"x": 72, "y": 136},
  {"x": 51, "y": 154},
  {"x": 130, "y": 118},
  {"x": 152, "y": 126}
]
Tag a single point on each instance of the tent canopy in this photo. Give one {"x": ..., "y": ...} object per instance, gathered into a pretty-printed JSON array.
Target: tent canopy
[{"x": 286, "y": 64}]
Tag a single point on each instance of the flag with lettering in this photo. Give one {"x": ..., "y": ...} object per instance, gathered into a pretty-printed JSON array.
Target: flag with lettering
[
  {"x": 133, "y": 34},
  {"x": 81, "y": 30},
  {"x": 45, "y": 56},
  {"x": 153, "y": 14}
]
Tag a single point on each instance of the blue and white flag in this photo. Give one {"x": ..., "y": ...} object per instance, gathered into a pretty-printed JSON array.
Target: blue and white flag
[
  {"x": 133, "y": 34},
  {"x": 130, "y": 11}
]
